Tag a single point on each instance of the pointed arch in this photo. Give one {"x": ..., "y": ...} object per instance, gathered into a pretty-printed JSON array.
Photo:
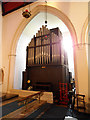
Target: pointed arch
[{"x": 35, "y": 11}]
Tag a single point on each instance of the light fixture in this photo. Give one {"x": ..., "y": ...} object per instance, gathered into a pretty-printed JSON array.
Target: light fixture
[
  {"x": 46, "y": 13},
  {"x": 26, "y": 13}
]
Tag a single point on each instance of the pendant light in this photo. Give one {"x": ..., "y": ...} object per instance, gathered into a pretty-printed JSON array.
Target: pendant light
[
  {"x": 46, "y": 13},
  {"x": 26, "y": 13}
]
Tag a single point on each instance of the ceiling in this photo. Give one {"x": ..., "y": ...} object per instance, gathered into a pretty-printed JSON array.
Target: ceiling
[{"x": 8, "y": 7}]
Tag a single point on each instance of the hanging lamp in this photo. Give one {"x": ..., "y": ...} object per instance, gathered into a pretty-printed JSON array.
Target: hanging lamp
[
  {"x": 46, "y": 13},
  {"x": 26, "y": 13}
]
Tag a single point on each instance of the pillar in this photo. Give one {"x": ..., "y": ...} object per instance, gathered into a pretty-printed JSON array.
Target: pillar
[
  {"x": 0, "y": 53},
  {"x": 89, "y": 50},
  {"x": 82, "y": 69},
  {"x": 12, "y": 58},
  {"x": 0, "y": 36},
  {"x": 0, "y": 47},
  {"x": 89, "y": 71}
]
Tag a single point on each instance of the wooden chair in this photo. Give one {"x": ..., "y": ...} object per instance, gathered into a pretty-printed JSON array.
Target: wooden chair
[{"x": 80, "y": 99}]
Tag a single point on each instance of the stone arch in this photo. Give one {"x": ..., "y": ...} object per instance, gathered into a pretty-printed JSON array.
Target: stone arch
[
  {"x": 35, "y": 11},
  {"x": 84, "y": 30},
  {"x": 85, "y": 33}
]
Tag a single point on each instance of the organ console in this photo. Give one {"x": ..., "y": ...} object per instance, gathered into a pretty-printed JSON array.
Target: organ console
[{"x": 46, "y": 62}]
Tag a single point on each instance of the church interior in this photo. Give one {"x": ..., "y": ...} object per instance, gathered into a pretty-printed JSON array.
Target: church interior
[{"x": 44, "y": 59}]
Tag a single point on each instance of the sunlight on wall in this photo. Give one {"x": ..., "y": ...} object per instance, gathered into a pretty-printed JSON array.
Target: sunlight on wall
[
  {"x": 68, "y": 46},
  {"x": 30, "y": 30}
]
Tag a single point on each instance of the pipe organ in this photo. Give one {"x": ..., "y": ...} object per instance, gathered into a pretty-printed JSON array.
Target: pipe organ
[{"x": 46, "y": 62}]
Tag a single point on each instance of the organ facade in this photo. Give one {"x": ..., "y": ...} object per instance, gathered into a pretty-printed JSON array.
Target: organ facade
[{"x": 46, "y": 62}]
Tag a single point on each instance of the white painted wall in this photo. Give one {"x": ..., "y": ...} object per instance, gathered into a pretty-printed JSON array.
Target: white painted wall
[
  {"x": 0, "y": 36},
  {"x": 88, "y": 35},
  {"x": 0, "y": 47},
  {"x": 77, "y": 12}
]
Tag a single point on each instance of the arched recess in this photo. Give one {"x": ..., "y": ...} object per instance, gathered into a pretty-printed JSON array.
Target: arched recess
[{"x": 35, "y": 11}]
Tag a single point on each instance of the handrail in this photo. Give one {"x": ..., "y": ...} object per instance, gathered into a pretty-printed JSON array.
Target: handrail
[{"x": 31, "y": 96}]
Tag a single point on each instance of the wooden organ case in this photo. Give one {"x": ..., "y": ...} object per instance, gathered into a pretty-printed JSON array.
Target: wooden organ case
[{"x": 46, "y": 62}]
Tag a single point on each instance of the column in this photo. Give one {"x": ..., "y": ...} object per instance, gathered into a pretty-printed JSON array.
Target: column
[
  {"x": 0, "y": 48},
  {"x": 89, "y": 50},
  {"x": 0, "y": 36},
  {"x": 89, "y": 71},
  {"x": 82, "y": 69},
  {"x": 0, "y": 53},
  {"x": 11, "y": 72}
]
